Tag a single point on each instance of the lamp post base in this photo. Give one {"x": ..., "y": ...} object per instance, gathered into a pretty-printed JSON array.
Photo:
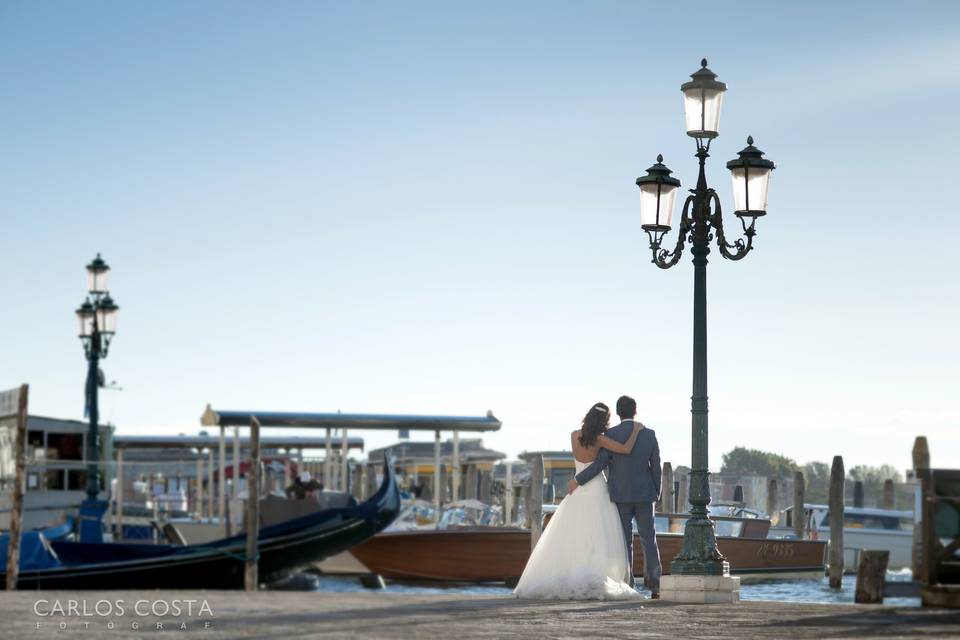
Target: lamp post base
[
  {"x": 700, "y": 589},
  {"x": 700, "y": 568},
  {"x": 91, "y": 520},
  {"x": 699, "y": 555}
]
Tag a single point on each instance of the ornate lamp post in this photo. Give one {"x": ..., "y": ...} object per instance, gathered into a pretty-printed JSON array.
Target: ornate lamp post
[
  {"x": 700, "y": 222},
  {"x": 97, "y": 318}
]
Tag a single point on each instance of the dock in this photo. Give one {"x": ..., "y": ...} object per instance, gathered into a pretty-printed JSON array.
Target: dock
[{"x": 279, "y": 614}]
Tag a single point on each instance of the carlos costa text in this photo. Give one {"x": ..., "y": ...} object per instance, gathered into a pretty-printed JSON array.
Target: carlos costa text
[{"x": 140, "y": 614}]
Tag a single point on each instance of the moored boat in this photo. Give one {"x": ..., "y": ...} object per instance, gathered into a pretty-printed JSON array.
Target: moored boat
[
  {"x": 863, "y": 528},
  {"x": 495, "y": 554},
  {"x": 283, "y": 548}
]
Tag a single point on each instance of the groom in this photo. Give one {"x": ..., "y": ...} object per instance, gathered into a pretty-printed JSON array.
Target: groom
[{"x": 633, "y": 480}]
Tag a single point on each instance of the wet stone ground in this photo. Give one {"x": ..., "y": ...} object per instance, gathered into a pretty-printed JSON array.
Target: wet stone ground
[{"x": 277, "y": 614}]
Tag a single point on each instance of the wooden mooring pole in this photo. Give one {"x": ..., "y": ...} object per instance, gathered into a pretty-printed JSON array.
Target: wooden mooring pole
[
  {"x": 535, "y": 499},
  {"x": 211, "y": 486},
  {"x": 683, "y": 494},
  {"x": 436, "y": 472},
  {"x": 118, "y": 499},
  {"x": 253, "y": 508},
  {"x": 836, "y": 522},
  {"x": 371, "y": 480},
  {"x": 772, "y": 500},
  {"x": 799, "y": 515},
  {"x": 20, "y": 471},
  {"x": 508, "y": 496},
  {"x": 666, "y": 489},
  {"x": 858, "y": 494},
  {"x": 921, "y": 460},
  {"x": 871, "y": 576},
  {"x": 222, "y": 479},
  {"x": 889, "y": 499},
  {"x": 198, "y": 499}
]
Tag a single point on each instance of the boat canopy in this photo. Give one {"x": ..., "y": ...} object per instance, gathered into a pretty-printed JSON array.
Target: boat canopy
[
  {"x": 200, "y": 442},
  {"x": 380, "y": 422}
]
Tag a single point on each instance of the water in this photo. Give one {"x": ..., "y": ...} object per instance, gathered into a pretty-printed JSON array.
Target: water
[
  {"x": 819, "y": 591},
  {"x": 816, "y": 591}
]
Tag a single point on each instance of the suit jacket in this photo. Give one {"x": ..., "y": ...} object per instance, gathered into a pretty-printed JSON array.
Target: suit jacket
[{"x": 631, "y": 477}]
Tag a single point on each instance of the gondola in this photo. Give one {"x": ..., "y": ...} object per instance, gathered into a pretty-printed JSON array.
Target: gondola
[{"x": 284, "y": 549}]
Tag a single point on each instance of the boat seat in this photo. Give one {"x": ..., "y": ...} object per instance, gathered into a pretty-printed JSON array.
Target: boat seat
[
  {"x": 274, "y": 509},
  {"x": 170, "y": 533}
]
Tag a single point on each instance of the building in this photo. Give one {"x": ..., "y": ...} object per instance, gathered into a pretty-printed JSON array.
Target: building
[{"x": 56, "y": 471}]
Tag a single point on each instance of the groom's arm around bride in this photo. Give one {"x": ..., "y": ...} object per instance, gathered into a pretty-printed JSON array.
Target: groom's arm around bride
[{"x": 634, "y": 476}]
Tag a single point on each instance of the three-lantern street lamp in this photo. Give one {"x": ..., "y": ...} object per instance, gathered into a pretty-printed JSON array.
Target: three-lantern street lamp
[
  {"x": 97, "y": 318},
  {"x": 700, "y": 221}
]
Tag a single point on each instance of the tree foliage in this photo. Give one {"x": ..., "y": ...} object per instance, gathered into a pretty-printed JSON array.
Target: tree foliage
[{"x": 753, "y": 461}]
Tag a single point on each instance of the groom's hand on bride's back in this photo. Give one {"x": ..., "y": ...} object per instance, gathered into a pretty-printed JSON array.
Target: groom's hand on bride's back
[{"x": 572, "y": 486}]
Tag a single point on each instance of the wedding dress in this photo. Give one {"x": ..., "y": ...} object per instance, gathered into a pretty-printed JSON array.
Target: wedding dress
[{"x": 581, "y": 554}]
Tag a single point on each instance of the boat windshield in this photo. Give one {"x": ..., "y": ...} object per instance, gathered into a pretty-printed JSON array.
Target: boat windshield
[
  {"x": 470, "y": 513},
  {"x": 871, "y": 521},
  {"x": 416, "y": 514}
]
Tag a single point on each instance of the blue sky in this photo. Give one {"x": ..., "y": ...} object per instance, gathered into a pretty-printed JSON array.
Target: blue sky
[{"x": 429, "y": 208}]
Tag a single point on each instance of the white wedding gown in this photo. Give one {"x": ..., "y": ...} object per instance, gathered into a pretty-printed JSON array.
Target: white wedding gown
[{"x": 581, "y": 554}]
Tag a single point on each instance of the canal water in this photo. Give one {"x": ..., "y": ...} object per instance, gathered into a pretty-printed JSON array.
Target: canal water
[{"x": 817, "y": 591}]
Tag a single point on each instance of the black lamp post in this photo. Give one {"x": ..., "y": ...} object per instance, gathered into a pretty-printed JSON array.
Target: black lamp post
[
  {"x": 700, "y": 222},
  {"x": 98, "y": 321}
]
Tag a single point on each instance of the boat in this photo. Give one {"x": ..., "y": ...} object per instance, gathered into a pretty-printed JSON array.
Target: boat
[
  {"x": 863, "y": 528},
  {"x": 284, "y": 548},
  {"x": 499, "y": 554}
]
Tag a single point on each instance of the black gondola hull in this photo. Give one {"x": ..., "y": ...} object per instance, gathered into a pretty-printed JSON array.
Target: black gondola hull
[{"x": 284, "y": 549}]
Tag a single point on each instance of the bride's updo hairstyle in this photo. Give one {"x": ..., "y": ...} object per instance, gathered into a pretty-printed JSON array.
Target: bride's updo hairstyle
[{"x": 594, "y": 424}]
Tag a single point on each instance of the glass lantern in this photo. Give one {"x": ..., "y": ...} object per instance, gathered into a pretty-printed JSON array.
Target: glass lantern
[
  {"x": 658, "y": 193},
  {"x": 107, "y": 315},
  {"x": 97, "y": 275},
  {"x": 751, "y": 177},
  {"x": 85, "y": 315},
  {"x": 702, "y": 99}
]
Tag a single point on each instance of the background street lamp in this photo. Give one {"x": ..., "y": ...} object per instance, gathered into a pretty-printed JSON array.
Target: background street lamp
[
  {"x": 97, "y": 318},
  {"x": 701, "y": 221}
]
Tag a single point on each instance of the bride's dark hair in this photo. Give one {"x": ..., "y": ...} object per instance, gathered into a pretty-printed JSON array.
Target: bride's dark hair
[{"x": 594, "y": 424}]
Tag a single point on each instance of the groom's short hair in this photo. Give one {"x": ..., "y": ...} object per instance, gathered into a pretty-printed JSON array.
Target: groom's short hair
[{"x": 626, "y": 407}]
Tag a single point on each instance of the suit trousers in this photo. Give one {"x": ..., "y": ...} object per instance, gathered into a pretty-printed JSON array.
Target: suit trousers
[{"x": 643, "y": 513}]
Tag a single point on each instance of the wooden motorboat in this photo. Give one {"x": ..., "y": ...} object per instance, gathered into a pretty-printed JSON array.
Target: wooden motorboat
[
  {"x": 499, "y": 554},
  {"x": 284, "y": 548},
  {"x": 863, "y": 528}
]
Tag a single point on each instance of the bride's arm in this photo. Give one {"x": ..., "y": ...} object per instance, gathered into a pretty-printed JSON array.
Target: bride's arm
[{"x": 614, "y": 446}]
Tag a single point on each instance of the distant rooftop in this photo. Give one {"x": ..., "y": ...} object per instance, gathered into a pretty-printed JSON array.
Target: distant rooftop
[
  {"x": 469, "y": 450},
  {"x": 210, "y": 441},
  {"x": 383, "y": 422}
]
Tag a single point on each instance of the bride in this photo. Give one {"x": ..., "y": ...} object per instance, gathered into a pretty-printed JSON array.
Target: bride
[{"x": 582, "y": 554}]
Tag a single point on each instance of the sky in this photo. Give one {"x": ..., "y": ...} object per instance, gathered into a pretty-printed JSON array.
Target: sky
[{"x": 430, "y": 208}]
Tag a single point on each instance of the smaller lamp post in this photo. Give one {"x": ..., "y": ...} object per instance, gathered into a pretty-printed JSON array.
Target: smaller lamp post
[{"x": 97, "y": 318}]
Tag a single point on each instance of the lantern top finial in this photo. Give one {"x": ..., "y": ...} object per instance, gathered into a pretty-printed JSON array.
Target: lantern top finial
[
  {"x": 752, "y": 157},
  {"x": 658, "y": 174},
  {"x": 703, "y": 78},
  {"x": 98, "y": 265}
]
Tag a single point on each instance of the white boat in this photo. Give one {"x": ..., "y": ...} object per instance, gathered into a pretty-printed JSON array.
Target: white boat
[{"x": 863, "y": 528}]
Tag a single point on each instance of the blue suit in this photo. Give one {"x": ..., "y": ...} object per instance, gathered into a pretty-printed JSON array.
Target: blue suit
[{"x": 633, "y": 480}]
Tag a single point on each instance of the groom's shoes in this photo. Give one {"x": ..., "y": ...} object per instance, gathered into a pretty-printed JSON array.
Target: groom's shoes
[{"x": 655, "y": 595}]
